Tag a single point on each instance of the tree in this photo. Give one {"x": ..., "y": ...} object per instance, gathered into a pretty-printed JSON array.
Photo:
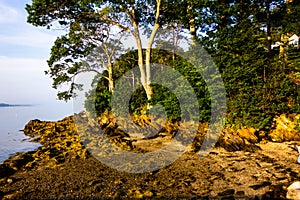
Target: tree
[
  {"x": 106, "y": 53},
  {"x": 83, "y": 50},
  {"x": 127, "y": 16},
  {"x": 236, "y": 36},
  {"x": 289, "y": 23}
]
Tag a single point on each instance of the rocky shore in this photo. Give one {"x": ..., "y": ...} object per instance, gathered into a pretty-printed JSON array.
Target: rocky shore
[{"x": 245, "y": 164}]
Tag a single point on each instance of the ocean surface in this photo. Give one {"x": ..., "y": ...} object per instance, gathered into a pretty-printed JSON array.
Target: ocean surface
[{"x": 13, "y": 119}]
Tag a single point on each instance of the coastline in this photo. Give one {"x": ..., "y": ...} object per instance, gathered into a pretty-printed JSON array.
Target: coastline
[
  {"x": 63, "y": 168},
  {"x": 14, "y": 105},
  {"x": 14, "y": 119}
]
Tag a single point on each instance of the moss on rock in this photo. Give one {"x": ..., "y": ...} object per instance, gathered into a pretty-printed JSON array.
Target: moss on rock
[{"x": 284, "y": 128}]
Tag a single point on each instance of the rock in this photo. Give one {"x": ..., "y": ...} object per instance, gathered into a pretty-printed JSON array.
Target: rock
[
  {"x": 248, "y": 134},
  {"x": 68, "y": 138},
  {"x": 148, "y": 194},
  {"x": 222, "y": 173},
  {"x": 293, "y": 191},
  {"x": 12, "y": 196},
  {"x": 1, "y": 193},
  {"x": 60, "y": 142},
  {"x": 258, "y": 186},
  {"x": 240, "y": 193},
  {"x": 237, "y": 140},
  {"x": 20, "y": 160},
  {"x": 6, "y": 170},
  {"x": 9, "y": 180},
  {"x": 135, "y": 193},
  {"x": 284, "y": 128},
  {"x": 227, "y": 192}
]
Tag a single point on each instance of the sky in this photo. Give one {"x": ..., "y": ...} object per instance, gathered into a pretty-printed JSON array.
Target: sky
[{"x": 24, "y": 50}]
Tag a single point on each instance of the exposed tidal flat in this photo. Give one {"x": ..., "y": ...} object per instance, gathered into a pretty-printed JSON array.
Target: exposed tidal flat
[{"x": 245, "y": 164}]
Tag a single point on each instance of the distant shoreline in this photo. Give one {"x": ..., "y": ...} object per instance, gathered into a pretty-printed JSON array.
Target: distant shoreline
[{"x": 13, "y": 105}]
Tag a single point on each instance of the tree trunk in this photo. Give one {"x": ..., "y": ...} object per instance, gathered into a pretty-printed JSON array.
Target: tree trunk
[
  {"x": 145, "y": 74},
  {"x": 283, "y": 47},
  {"x": 140, "y": 56},
  {"x": 156, "y": 26},
  {"x": 110, "y": 78},
  {"x": 192, "y": 30},
  {"x": 191, "y": 23},
  {"x": 284, "y": 37},
  {"x": 148, "y": 88},
  {"x": 269, "y": 38}
]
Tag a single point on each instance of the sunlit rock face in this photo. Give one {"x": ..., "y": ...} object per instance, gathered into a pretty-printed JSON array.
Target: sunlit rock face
[{"x": 285, "y": 128}]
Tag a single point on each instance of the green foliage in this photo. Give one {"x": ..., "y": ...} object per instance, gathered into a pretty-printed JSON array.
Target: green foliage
[
  {"x": 161, "y": 95},
  {"x": 66, "y": 60},
  {"x": 99, "y": 98},
  {"x": 258, "y": 85},
  {"x": 166, "y": 98},
  {"x": 290, "y": 18},
  {"x": 298, "y": 125}
]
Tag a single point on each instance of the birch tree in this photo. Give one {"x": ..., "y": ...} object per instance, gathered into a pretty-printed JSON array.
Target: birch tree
[{"x": 129, "y": 16}]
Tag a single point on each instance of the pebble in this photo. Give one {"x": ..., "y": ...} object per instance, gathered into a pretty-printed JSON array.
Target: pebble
[{"x": 9, "y": 180}]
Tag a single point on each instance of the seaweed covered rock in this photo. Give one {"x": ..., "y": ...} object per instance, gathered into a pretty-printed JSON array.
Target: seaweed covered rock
[
  {"x": 74, "y": 136},
  {"x": 236, "y": 140},
  {"x": 62, "y": 167},
  {"x": 230, "y": 139},
  {"x": 284, "y": 128},
  {"x": 15, "y": 163},
  {"x": 60, "y": 141},
  {"x": 100, "y": 132},
  {"x": 6, "y": 170}
]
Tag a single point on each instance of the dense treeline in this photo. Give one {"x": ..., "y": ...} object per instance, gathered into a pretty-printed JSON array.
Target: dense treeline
[{"x": 260, "y": 82}]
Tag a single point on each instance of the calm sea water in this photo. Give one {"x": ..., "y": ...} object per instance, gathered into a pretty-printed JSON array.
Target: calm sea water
[{"x": 13, "y": 119}]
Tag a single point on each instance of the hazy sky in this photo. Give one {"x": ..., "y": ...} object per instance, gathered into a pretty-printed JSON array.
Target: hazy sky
[{"x": 24, "y": 50}]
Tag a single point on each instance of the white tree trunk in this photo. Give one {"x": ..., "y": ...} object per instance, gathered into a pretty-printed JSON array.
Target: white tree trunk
[
  {"x": 148, "y": 88},
  {"x": 140, "y": 55},
  {"x": 110, "y": 78}
]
